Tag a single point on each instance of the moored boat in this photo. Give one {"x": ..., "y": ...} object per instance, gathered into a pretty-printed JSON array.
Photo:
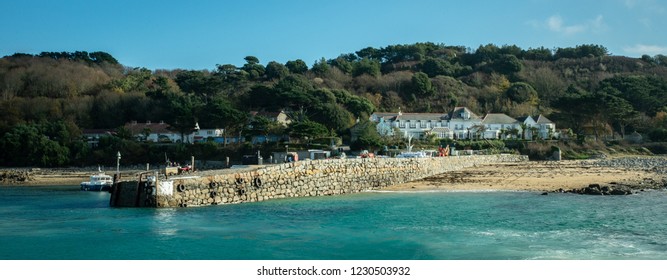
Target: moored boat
[{"x": 98, "y": 182}]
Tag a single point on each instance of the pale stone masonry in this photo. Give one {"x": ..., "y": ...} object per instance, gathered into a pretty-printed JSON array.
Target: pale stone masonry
[{"x": 297, "y": 179}]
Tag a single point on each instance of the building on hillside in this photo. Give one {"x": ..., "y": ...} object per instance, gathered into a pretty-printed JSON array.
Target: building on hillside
[
  {"x": 461, "y": 123},
  {"x": 159, "y": 132},
  {"x": 530, "y": 126},
  {"x": 500, "y": 126},
  {"x": 419, "y": 125},
  {"x": 280, "y": 117},
  {"x": 206, "y": 134},
  {"x": 461, "y": 120},
  {"x": 546, "y": 128}
]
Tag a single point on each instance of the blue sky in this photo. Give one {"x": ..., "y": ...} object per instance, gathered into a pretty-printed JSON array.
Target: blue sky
[{"x": 199, "y": 34}]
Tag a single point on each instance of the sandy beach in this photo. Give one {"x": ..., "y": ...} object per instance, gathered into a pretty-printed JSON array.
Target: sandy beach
[{"x": 534, "y": 176}]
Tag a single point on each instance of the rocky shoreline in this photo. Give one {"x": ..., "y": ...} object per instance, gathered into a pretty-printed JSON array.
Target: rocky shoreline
[
  {"x": 8, "y": 177},
  {"x": 657, "y": 165}
]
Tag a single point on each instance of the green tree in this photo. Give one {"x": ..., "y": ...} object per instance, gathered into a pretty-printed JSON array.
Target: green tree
[
  {"x": 297, "y": 66},
  {"x": 320, "y": 67},
  {"x": 333, "y": 116},
  {"x": 197, "y": 82},
  {"x": 309, "y": 129},
  {"x": 253, "y": 68},
  {"x": 25, "y": 145},
  {"x": 421, "y": 84},
  {"x": 507, "y": 64},
  {"x": 342, "y": 64},
  {"x": 366, "y": 66},
  {"x": 184, "y": 110},
  {"x": 367, "y": 136},
  {"x": 275, "y": 70},
  {"x": 540, "y": 53},
  {"x": 221, "y": 113},
  {"x": 436, "y": 66}
]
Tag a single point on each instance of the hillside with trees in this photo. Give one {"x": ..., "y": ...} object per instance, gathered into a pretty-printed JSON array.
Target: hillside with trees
[{"x": 47, "y": 99}]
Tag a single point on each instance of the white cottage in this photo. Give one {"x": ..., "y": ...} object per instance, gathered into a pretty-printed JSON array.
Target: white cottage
[{"x": 497, "y": 126}]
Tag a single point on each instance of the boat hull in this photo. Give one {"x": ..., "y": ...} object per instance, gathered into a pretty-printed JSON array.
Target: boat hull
[{"x": 95, "y": 188}]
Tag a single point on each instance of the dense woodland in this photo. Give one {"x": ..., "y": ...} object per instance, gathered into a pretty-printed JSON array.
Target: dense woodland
[{"x": 47, "y": 99}]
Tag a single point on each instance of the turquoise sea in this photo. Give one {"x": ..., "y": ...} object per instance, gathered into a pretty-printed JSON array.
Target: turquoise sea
[{"x": 63, "y": 223}]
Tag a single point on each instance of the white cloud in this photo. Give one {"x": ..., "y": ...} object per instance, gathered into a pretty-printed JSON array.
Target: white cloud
[
  {"x": 645, "y": 49},
  {"x": 555, "y": 23}
]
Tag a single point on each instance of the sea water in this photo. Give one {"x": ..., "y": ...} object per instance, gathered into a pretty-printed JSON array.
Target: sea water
[{"x": 63, "y": 223}]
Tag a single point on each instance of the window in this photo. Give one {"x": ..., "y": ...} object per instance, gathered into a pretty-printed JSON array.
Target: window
[
  {"x": 423, "y": 124},
  {"x": 209, "y": 132},
  {"x": 413, "y": 125},
  {"x": 401, "y": 124}
]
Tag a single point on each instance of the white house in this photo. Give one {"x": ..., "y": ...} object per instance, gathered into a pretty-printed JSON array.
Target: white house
[
  {"x": 547, "y": 128},
  {"x": 540, "y": 125},
  {"x": 202, "y": 135},
  {"x": 153, "y": 132},
  {"x": 417, "y": 125},
  {"x": 161, "y": 132},
  {"x": 456, "y": 124},
  {"x": 460, "y": 123},
  {"x": 497, "y": 126}
]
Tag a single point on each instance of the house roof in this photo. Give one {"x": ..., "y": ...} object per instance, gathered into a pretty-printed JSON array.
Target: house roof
[
  {"x": 461, "y": 112},
  {"x": 523, "y": 119},
  {"x": 458, "y": 113},
  {"x": 441, "y": 130},
  {"x": 138, "y": 128},
  {"x": 385, "y": 114},
  {"x": 543, "y": 120},
  {"x": 421, "y": 116},
  {"x": 411, "y": 116},
  {"x": 498, "y": 119}
]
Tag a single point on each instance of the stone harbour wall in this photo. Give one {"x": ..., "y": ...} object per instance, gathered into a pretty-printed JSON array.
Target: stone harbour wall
[{"x": 307, "y": 178}]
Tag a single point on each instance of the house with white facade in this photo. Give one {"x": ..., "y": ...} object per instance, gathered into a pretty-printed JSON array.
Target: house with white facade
[
  {"x": 161, "y": 132},
  {"x": 455, "y": 124},
  {"x": 155, "y": 132},
  {"x": 500, "y": 126},
  {"x": 203, "y": 135},
  {"x": 460, "y": 123},
  {"x": 547, "y": 128},
  {"x": 538, "y": 127}
]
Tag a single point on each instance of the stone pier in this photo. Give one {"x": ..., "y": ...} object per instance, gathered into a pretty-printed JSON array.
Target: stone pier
[{"x": 296, "y": 179}]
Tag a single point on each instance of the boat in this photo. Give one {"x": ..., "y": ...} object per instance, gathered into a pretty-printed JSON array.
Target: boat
[{"x": 98, "y": 182}]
